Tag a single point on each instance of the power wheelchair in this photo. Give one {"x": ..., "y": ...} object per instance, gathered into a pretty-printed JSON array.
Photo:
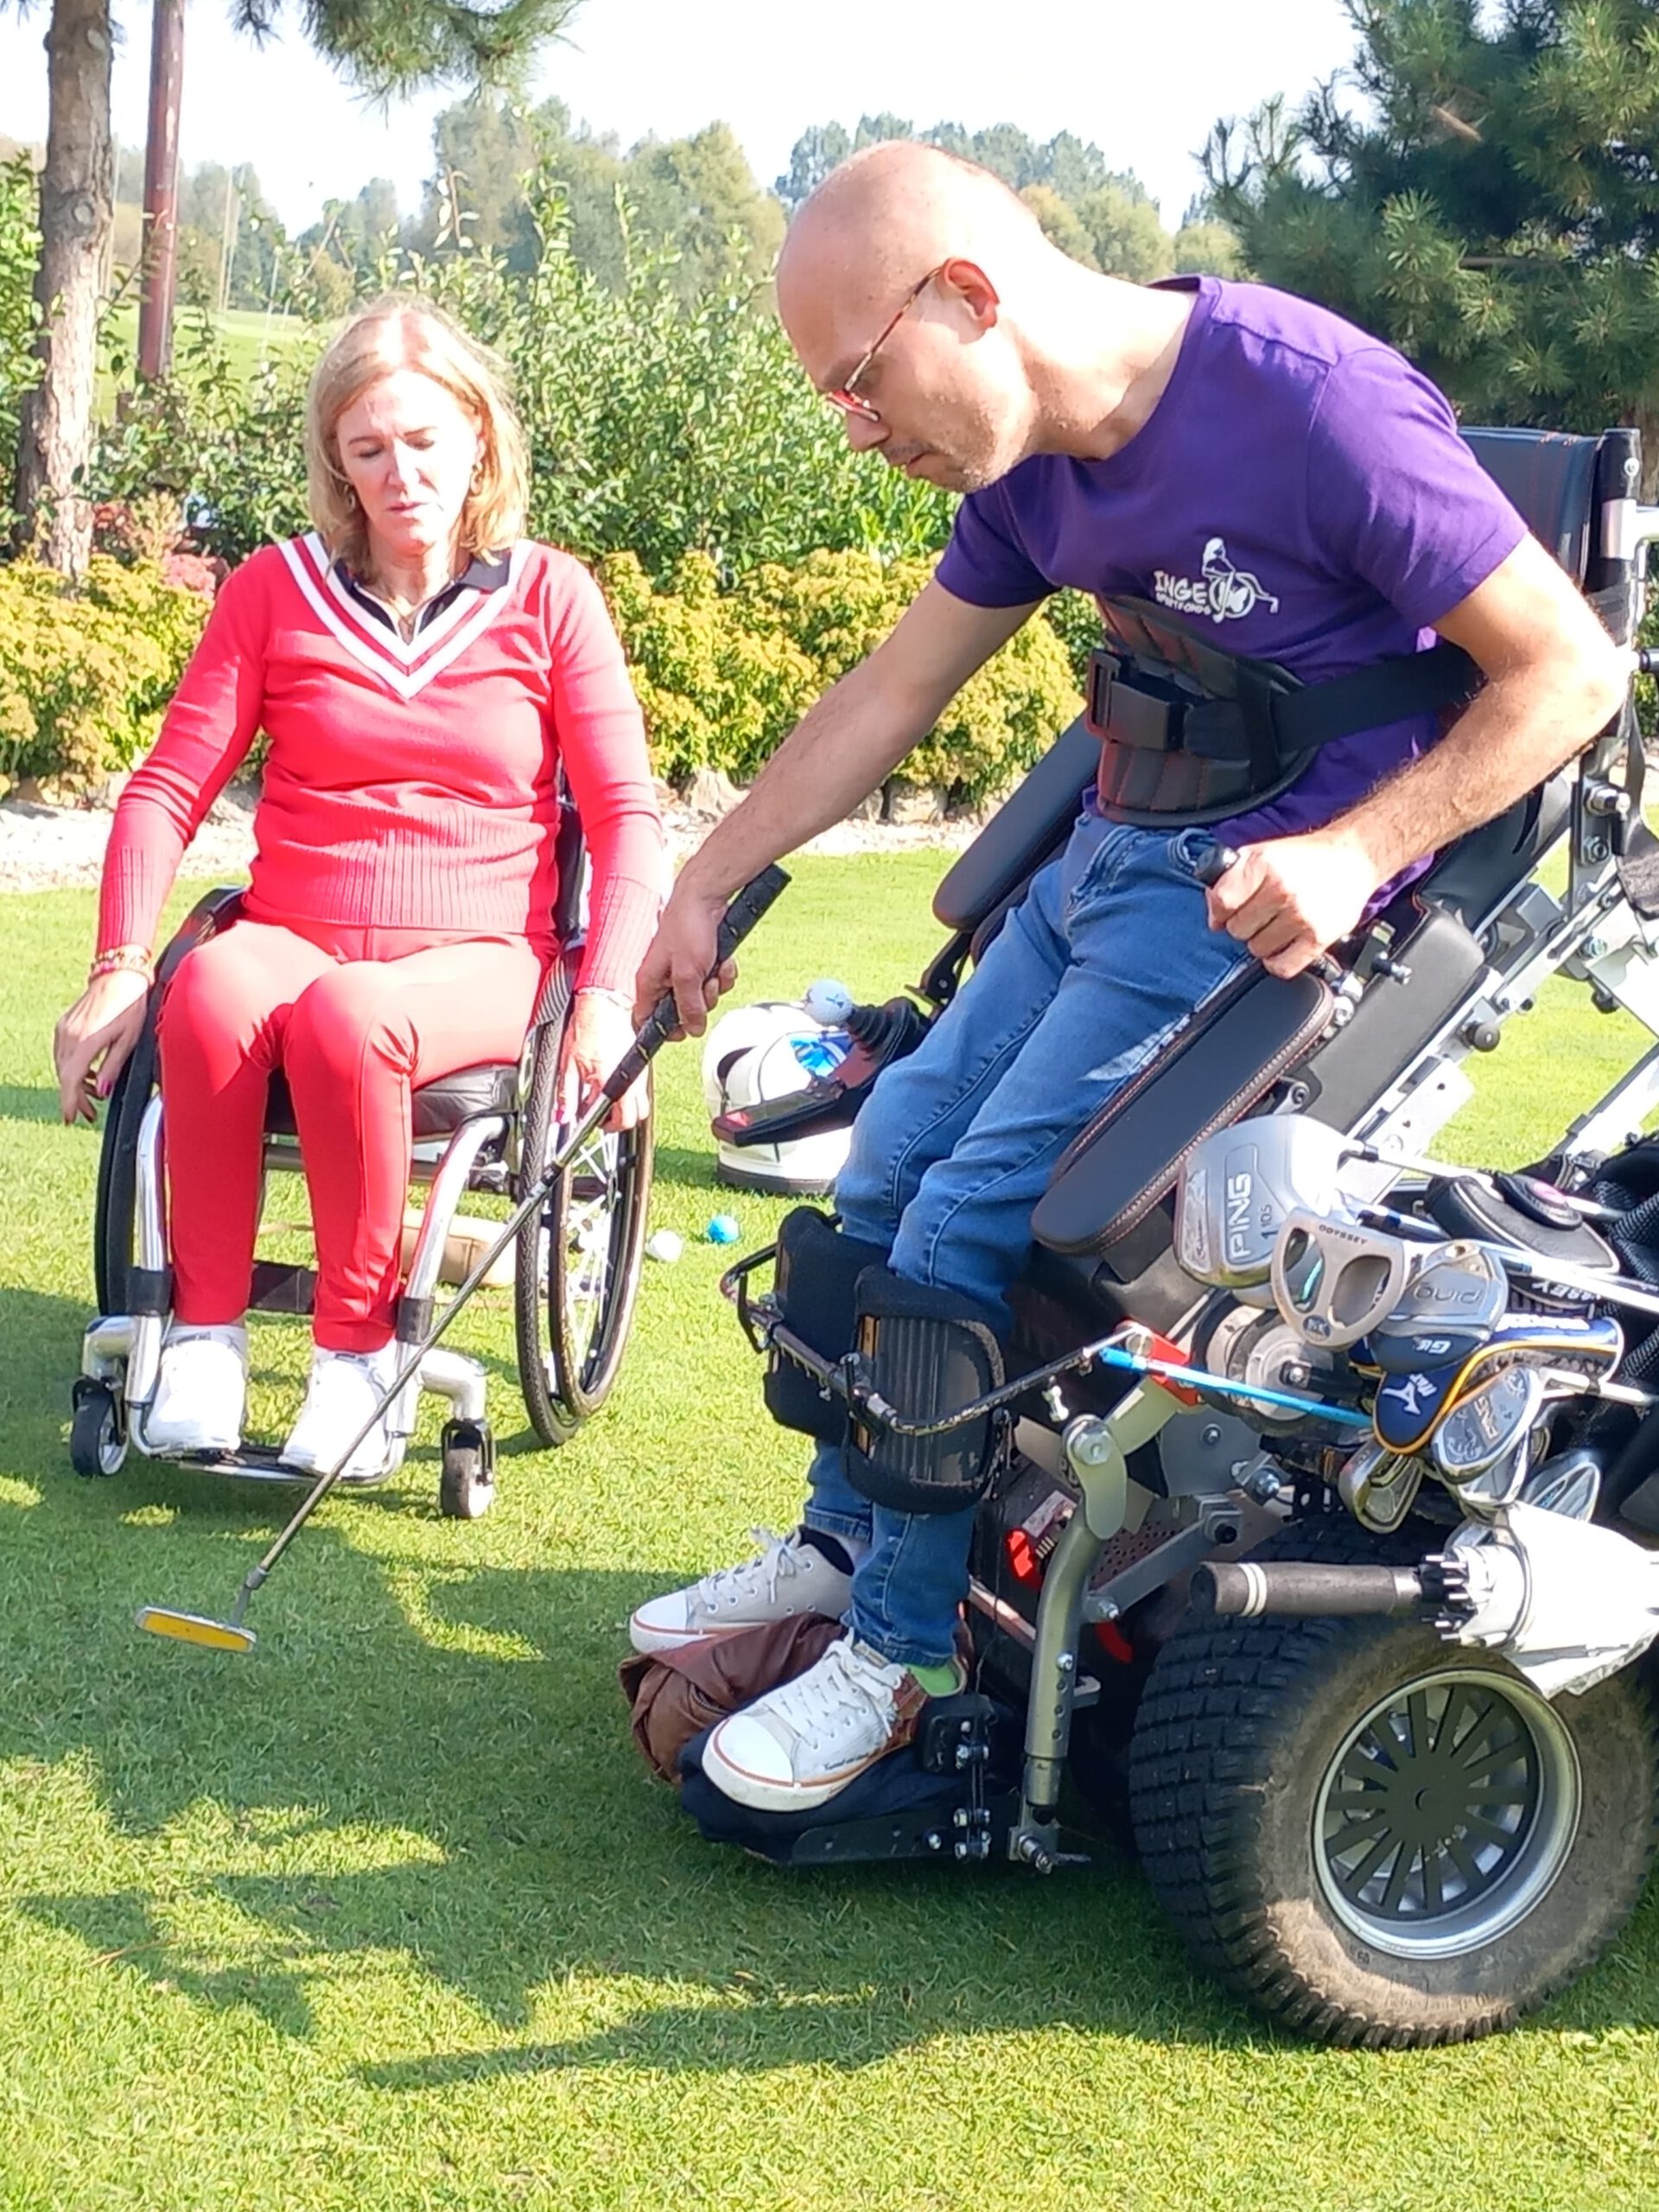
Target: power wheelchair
[
  {"x": 490, "y": 1129},
  {"x": 1108, "y": 1641}
]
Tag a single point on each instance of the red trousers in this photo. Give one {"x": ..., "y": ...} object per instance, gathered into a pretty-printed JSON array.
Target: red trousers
[{"x": 356, "y": 1018}]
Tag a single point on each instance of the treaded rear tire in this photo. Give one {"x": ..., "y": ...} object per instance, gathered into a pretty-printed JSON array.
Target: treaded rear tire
[{"x": 1240, "y": 1725}]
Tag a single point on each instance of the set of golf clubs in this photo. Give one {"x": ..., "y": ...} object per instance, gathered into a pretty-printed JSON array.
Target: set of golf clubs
[{"x": 1459, "y": 1377}]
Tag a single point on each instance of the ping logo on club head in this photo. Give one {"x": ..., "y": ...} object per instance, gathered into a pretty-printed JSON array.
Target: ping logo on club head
[
  {"x": 1412, "y": 1393},
  {"x": 1241, "y": 1189}
]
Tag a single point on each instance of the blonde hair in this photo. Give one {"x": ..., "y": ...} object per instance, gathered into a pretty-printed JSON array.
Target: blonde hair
[{"x": 402, "y": 331}]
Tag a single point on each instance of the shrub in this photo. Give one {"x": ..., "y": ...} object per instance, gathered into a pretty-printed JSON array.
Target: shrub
[
  {"x": 84, "y": 677},
  {"x": 20, "y": 247},
  {"x": 722, "y": 677}
]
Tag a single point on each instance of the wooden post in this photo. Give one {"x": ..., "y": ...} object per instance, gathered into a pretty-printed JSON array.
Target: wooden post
[{"x": 161, "y": 190}]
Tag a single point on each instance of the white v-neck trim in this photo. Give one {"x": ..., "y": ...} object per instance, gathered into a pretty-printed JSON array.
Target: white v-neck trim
[{"x": 389, "y": 656}]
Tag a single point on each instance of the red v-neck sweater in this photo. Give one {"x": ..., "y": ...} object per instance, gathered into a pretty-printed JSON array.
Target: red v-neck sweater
[{"x": 407, "y": 785}]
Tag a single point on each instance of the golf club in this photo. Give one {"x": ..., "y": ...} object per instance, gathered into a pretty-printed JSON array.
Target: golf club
[{"x": 231, "y": 1634}]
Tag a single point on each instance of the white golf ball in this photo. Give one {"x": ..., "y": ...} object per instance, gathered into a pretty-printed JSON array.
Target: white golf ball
[
  {"x": 664, "y": 1244},
  {"x": 829, "y": 1002}
]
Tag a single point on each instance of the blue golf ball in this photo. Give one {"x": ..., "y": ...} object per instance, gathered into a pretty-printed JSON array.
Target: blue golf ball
[{"x": 723, "y": 1230}]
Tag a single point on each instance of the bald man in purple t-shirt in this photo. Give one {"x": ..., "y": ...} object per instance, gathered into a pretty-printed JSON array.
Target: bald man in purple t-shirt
[{"x": 1282, "y": 487}]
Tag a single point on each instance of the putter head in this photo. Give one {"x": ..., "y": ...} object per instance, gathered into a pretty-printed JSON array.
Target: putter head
[
  {"x": 1333, "y": 1279},
  {"x": 195, "y": 1628},
  {"x": 1449, "y": 1311},
  {"x": 1239, "y": 1186}
]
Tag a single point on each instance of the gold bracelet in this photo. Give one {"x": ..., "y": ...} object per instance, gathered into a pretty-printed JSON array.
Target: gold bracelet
[{"x": 132, "y": 959}]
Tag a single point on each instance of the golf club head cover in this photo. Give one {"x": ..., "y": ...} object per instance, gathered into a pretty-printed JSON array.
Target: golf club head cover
[
  {"x": 927, "y": 1353},
  {"x": 814, "y": 1285}
]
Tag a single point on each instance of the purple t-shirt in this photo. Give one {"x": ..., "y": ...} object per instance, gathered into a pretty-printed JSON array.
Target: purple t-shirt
[{"x": 1300, "y": 490}]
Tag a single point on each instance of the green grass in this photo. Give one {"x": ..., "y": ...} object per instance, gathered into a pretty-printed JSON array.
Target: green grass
[
  {"x": 250, "y": 340},
  {"x": 390, "y": 1916}
]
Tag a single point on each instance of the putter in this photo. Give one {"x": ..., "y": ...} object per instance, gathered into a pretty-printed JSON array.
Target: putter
[
  {"x": 232, "y": 1634},
  {"x": 1334, "y": 1280}
]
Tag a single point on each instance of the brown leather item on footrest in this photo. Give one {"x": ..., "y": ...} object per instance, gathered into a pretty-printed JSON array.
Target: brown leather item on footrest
[{"x": 675, "y": 1695}]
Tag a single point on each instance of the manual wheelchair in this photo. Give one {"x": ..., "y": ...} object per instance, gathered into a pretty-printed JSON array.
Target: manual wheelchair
[
  {"x": 490, "y": 1129},
  {"x": 1235, "y": 1750}
]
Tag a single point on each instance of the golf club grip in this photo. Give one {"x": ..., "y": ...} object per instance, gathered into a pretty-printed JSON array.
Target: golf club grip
[
  {"x": 758, "y": 895},
  {"x": 1302, "y": 1589},
  {"x": 1209, "y": 871}
]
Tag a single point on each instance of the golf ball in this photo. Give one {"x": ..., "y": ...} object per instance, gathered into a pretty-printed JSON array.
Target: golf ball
[
  {"x": 829, "y": 1002},
  {"x": 664, "y": 1244},
  {"x": 723, "y": 1230}
]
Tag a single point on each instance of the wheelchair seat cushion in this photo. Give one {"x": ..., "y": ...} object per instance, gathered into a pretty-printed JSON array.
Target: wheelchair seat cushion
[{"x": 438, "y": 1107}]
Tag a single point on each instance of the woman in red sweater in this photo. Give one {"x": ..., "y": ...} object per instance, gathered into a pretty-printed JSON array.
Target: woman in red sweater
[{"x": 423, "y": 673}]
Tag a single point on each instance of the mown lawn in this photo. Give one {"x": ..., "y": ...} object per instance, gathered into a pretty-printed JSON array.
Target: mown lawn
[{"x": 390, "y": 1916}]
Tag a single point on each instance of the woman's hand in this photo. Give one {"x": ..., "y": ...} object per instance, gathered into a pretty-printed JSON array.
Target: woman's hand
[
  {"x": 599, "y": 1031},
  {"x": 93, "y": 1039}
]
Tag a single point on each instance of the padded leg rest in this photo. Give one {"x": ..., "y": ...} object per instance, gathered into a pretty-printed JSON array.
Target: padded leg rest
[
  {"x": 1129, "y": 1155},
  {"x": 927, "y": 1353},
  {"x": 816, "y": 1284}
]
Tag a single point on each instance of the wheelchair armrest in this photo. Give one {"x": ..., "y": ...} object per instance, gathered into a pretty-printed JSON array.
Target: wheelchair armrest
[{"x": 1128, "y": 1156}]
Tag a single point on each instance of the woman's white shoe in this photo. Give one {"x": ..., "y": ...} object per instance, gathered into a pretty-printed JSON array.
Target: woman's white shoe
[
  {"x": 342, "y": 1393},
  {"x": 201, "y": 1391}
]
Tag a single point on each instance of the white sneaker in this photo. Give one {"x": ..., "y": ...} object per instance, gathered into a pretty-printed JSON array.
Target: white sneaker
[
  {"x": 201, "y": 1390},
  {"x": 803, "y": 1742},
  {"x": 789, "y": 1576},
  {"x": 339, "y": 1399}
]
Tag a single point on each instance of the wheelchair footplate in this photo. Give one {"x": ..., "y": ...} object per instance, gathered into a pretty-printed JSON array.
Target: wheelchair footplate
[
  {"x": 262, "y": 1463},
  {"x": 950, "y": 1796}
]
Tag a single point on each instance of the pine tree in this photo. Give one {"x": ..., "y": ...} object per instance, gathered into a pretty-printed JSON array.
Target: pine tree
[{"x": 1492, "y": 207}]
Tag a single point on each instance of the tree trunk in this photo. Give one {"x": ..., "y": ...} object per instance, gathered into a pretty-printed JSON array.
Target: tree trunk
[{"x": 77, "y": 211}]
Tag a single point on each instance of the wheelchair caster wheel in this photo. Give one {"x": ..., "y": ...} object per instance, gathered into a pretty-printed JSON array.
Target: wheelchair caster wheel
[
  {"x": 467, "y": 1485},
  {"x": 98, "y": 1432}
]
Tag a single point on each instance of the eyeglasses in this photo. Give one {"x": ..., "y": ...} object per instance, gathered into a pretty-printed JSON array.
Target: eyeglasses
[{"x": 845, "y": 396}]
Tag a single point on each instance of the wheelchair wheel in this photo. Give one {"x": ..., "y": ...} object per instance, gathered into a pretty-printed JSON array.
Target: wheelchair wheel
[
  {"x": 98, "y": 1432},
  {"x": 578, "y": 1261},
  {"x": 115, "y": 1204}
]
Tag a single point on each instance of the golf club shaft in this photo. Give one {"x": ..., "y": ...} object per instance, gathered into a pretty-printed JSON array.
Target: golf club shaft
[{"x": 740, "y": 917}]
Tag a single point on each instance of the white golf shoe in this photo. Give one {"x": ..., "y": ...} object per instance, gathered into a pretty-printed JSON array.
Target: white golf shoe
[
  {"x": 339, "y": 1398},
  {"x": 201, "y": 1390}
]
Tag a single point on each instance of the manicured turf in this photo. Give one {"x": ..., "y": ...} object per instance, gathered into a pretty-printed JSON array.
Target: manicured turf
[{"x": 390, "y": 1916}]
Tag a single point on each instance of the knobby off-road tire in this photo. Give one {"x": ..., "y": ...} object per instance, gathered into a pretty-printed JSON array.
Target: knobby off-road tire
[{"x": 1274, "y": 1760}]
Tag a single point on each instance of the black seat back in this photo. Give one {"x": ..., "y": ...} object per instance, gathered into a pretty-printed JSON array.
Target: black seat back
[{"x": 1549, "y": 478}]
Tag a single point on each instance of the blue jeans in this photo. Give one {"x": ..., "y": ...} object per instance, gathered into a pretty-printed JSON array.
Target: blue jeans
[{"x": 1108, "y": 955}]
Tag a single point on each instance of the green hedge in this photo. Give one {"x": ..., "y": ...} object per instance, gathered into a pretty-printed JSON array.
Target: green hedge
[
  {"x": 723, "y": 676},
  {"x": 86, "y": 676}
]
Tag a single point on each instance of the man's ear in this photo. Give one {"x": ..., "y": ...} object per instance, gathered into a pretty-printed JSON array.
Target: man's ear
[{"x": 974, "y": 288}]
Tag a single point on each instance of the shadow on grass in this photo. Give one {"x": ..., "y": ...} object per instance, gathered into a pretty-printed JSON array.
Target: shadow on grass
[
  {"x": 18, "y": 1102},
  {"x": 458, "y": 1725}
]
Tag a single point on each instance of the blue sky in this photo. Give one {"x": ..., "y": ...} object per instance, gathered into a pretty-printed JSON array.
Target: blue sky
[{"x": 1144, "y": 81}]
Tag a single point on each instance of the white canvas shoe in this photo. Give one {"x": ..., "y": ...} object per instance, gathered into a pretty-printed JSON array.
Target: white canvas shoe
[
  {"x": 789, "y": 1576},
  {"x": 201, "y": 1390},
  {"x": 800, "y": 1743},
  {"x": 339, "y": 1398}
]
